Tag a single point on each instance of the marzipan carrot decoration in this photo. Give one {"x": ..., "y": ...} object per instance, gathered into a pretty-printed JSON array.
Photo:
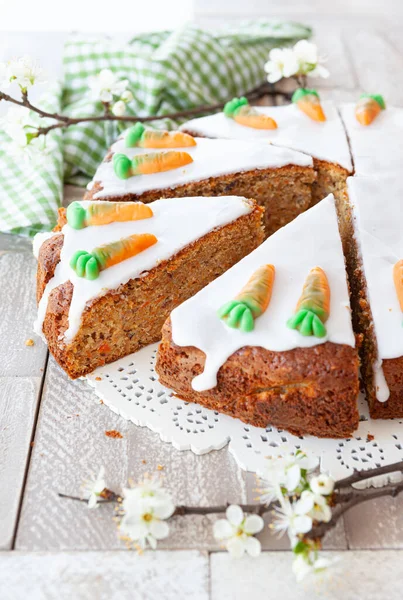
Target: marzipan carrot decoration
[
  {"x": 368, "y": 108},
  {"x": 251, "y": 302},
  {"x": 146, "y": 164},
  {"x": 139, "y": 136},
  {"x": 244, "y": 114},
  {"x": 308, "y": 101},
  {"x": 103, "y": 213},
  {"x": 398, "y": 280},
  {"x": 313, "y": 307},
  {"x": 89, "y": 264}
]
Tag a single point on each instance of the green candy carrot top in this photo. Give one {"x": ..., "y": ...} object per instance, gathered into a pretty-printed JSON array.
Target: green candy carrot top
[
  {"x": 251, "y": 302},
  {"x": 103, "y": 213},
  {"x": 313, "y": 307},
  {"x": 244, "y": 114},
  {"x": 89, "y": 264}
]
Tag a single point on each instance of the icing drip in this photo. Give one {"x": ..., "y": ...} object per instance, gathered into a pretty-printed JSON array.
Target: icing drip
[
  {"x": 324, "y": 141},
  {"x": 211, "y": 158},
  {"x": 377, "y": 204},
  {"x": 176, "y": 223},
  {"x": 194, "y": 323},
  {"x": 382, "y": 391},
  {"x": 39, "y": 239}
]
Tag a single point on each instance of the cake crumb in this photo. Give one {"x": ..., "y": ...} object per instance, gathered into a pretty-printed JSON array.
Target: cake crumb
[
  {"x": 144, "y": 461},
  {"x": 29, "y": 342},
  {"x": 160, "y": 467},
  {"x": 113, "y": 433},
  {"x": 101, "y": 401},
  {"x": 98, "y": 378},
  {"x": 370, "y": 437}
]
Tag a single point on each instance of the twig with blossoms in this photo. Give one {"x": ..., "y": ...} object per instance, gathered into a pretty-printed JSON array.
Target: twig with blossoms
[
  {"x": 304, "y": 503},
  {"x": 111, "y": 93},
  {"x": 299, "y": 62}
]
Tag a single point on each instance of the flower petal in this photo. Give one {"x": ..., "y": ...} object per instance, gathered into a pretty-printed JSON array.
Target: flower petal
[
  {"x": 253, "y": 524},
  {"x": 234, "y": 514},
  {"x": 236, "y": 547},
  {"x": 222, "y": 529},
  {"x": 253, "y": 546},
  {"x": 159, "y": 529},
  {"x": 302, "y": 524}
]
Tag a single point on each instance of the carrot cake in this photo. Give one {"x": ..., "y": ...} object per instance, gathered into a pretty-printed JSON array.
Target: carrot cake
[
  {"x": 271, "y": 341},
  {"x": 111, "y": 275},
  {"x": 375, "y": 262},
  {"x": 325, "y": 141},
  {"x": 280, "y": 180}
]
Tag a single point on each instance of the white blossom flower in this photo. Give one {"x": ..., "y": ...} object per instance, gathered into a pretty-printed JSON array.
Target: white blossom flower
[
  {"x": 23, "y": 71},
  {"x": 306, "y": 55},
  {"x": 308, "y": 564},
  {"x": 237, "y": 531},
  {"x": 282, "y": 63},
  {"x": 127, "y": 96},
  {"x": 119, "y": 108},
  {"x": 315, "y": 506},
  {"x": 106, "y": 85},
  {"x": 322, "y": 484},
  {"x": 286, "y": 472},
  {"x": 292, "y": 518},
  {"x": 93, "y": 488},
  {"x": 146, "y": 507},
  {"x": 19, "y": 125}
]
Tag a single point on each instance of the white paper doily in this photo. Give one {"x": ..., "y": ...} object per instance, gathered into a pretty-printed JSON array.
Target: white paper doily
[{"x": 131, "y": 389}]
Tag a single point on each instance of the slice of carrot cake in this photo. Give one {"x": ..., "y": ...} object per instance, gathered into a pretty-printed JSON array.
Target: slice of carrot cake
[
  {"x": 111, "y": 275},
  {"x": 375, "y": 262},
  {"x": 325, "y": 141},
  {"x": 271, "y": 341},
  {"x": 141, "y": 167}
]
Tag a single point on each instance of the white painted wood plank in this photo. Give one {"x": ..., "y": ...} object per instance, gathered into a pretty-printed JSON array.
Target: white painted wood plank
[
  {"x": 369, "y": 575},
  {"x": 18, "y": 402},
  {"x": 71, "y": 443},
  {"x": 17, "y": 243},
  {"x": 378, "y": 64},
  {"x": 18, "y": 311},
  {"x": 376, "y": 524},
  {"x": 104, "y": 576}
]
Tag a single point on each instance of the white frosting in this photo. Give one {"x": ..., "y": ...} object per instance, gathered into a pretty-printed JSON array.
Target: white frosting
[
  {"x": 176, "y": 223},
  {"x": 378, "y": 210},
  {"x": 378, "y": 147},
  {"x": 325, "y": 141},
  {"x": 312, "y": 239},
  {"x": 211, "y": 158},
  {"x": 38, "y": 240}
]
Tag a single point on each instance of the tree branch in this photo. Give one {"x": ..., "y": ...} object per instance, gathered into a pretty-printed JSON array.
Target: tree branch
[{"x": 256, "y": 93}]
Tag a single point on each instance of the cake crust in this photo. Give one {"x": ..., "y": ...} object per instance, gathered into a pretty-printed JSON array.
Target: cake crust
[{"x": 304, "y": 390}]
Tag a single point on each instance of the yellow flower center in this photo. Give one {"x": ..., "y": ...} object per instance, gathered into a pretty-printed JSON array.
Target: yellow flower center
[{"x": 147, "y": 517}]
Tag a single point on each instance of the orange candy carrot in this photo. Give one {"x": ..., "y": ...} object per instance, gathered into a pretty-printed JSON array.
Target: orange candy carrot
[
  {"x": 368, "y": 108},
  {"x": 139, "y": 136},
  {"x": 103, "y": 213},
  {"x": 244, "y": 114},
  {"x": 146, "y": 164},
  {"x": 398, "y": 281},
  {"x": 252, "y": 300},
  {"x": 313, "y": 307},
  {"x": 89, "y": 265},
  {"x": 308, "y": 101}
]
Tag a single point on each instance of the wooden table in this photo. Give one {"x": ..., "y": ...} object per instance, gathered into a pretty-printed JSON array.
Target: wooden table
[{"x": 52, "y": 436}]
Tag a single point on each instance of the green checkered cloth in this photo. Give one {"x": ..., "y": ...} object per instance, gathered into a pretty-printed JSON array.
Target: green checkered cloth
[{"x": 167, "y": 72}]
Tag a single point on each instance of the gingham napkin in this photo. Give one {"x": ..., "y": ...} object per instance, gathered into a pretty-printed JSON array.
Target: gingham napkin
[{"x": 167, "y": 71}]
